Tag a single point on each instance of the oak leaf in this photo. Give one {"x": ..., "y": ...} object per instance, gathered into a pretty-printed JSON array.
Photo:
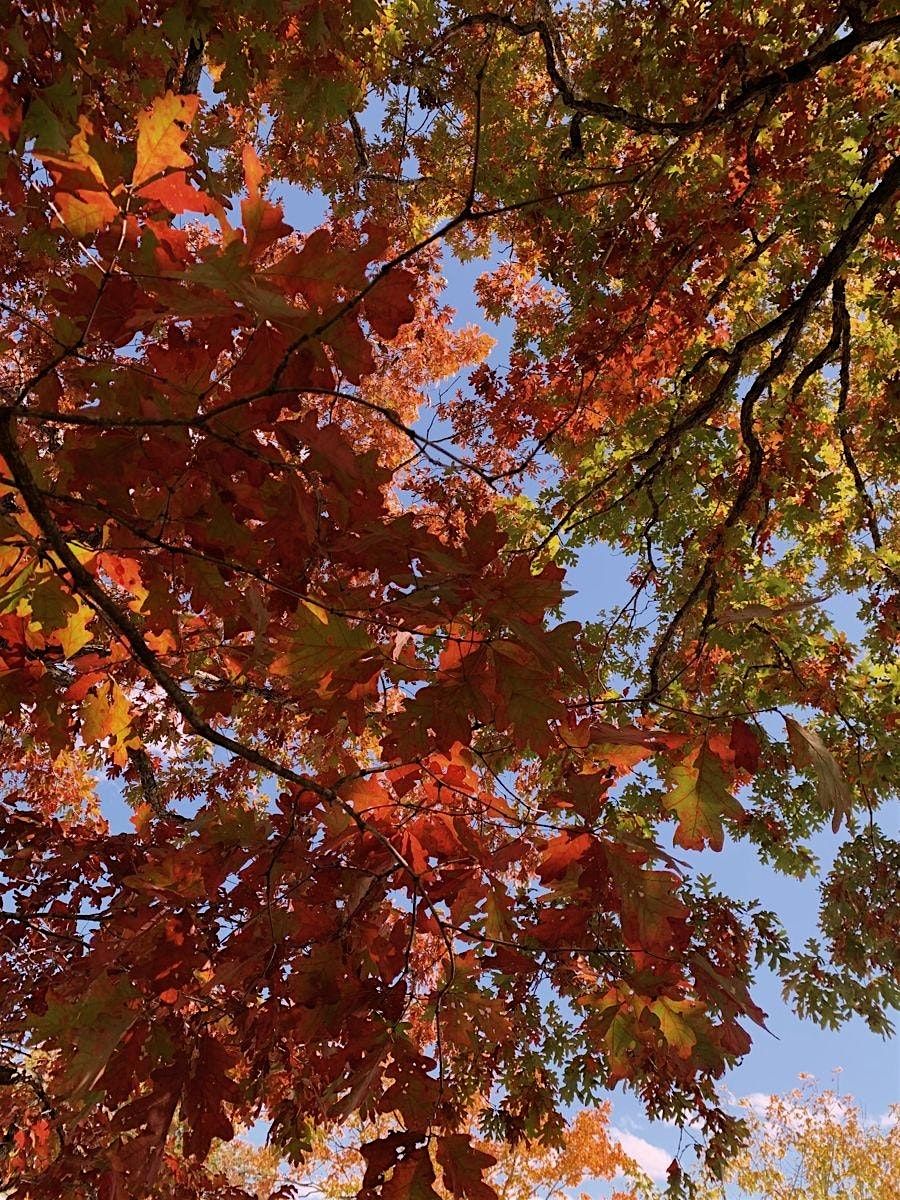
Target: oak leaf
[
  {"x": 320, "y": 645},
  {"x": 106, "y": 715},
  {"x": 10, "y": 108},
  {"x": 86, "y": 211},
  {"x": 161, "y": 132},
  {"x": 809, "y": 751},
  {"x": 701, "y": 798},
  {"x": 674, "y": 1023},
  {"x": 463, "y": 1166},
  {"x": 88, "y": 1029},
  {"x": 412, "y": 1178},
  {"x": 209, "y": 1088}
]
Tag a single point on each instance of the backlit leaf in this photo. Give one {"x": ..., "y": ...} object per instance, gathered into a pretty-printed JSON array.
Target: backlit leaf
[
  {"x": 161, "y": 133},
  {"x": 701, "y": 798}
]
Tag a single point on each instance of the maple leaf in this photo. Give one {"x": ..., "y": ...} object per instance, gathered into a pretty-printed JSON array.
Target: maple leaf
[
  {"x": 810, "y": 751},
  {"x": 701, "y": 798}
]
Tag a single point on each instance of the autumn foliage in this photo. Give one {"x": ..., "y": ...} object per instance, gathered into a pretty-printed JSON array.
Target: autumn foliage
[
  {"x": 284, "y": 555},
  {"x": 812, "y": 1142},
  {"x": 334, "y": 1168}
]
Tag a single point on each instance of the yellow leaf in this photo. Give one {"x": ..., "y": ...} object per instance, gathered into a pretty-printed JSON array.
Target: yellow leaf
[
  {"x": 162, "y": 129},
  {"x": 85, "y": 212},
  {"x": 700, "y": 799},
  {"x": 674, "y": 1027},
  {"x": 80, "y": 153},
  {"x": 74, "y": 635},
  {"x": 106, "y": 714},
  {"x": 161, "y": 643}
]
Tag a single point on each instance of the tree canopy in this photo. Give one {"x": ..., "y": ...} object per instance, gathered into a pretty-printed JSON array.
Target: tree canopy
[
  {"x": 813, "y": 1144},
  {"x": 283, "y": 558}
]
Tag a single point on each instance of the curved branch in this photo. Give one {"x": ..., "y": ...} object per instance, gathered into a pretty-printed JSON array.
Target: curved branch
[
  {"x": 767, "y": 85},
  {"x": 126, "y": 628}
]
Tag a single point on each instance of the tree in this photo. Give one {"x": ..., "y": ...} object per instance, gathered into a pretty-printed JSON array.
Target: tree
[
  {"x": 814, "y": 1144},
  {"x": 402, "y": 832},
  {"x": 527, "y": 1171}
]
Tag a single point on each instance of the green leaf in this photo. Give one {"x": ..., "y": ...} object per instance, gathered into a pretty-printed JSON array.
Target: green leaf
[
  {"x": 320, "y": 644},
  {"x": 701, "y": 798},
  {"x": 52, "y": 604}
]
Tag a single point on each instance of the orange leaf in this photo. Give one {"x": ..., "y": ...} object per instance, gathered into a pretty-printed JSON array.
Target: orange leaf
[
  {"x": 162, "y": 129},
  {"x": 700, "y": 799},
  {"x": 106, "y": 713},
  {"x": 85, "y": 212},
  {"x": 263, "y": 223},
  {"x": 175, "y": 193}
]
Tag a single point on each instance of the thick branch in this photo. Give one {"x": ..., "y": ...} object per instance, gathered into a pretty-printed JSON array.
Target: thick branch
[{"x": 767, "y": 85}]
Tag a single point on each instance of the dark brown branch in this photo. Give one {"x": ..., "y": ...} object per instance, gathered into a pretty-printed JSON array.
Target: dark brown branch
[
  {"x": 140, "y": 760},
  {"x": 359, "y": 144},
  {"x": 766, "y": 85},
  {"x": 842, "y": 321},
  {"x": 794, "y": 316},
  {"x": 188, "y": 79}
]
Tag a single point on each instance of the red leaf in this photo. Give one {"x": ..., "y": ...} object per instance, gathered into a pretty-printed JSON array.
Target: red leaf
[
  {"x": 263, "y": 221},
  {"x": 745, "y": 745},
  {"x": 10, "y": 108},
  {"x": 206, "y": 1093},
  {"x": 389, "y": 305}
]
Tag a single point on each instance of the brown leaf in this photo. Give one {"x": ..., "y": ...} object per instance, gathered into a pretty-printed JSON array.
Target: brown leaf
[{"x": 810, "y": 751}]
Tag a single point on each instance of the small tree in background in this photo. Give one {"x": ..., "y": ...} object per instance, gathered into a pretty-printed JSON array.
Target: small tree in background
[
  {"x": 335, "y": 1168},
  {"x": 813, "y": 1144}
]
